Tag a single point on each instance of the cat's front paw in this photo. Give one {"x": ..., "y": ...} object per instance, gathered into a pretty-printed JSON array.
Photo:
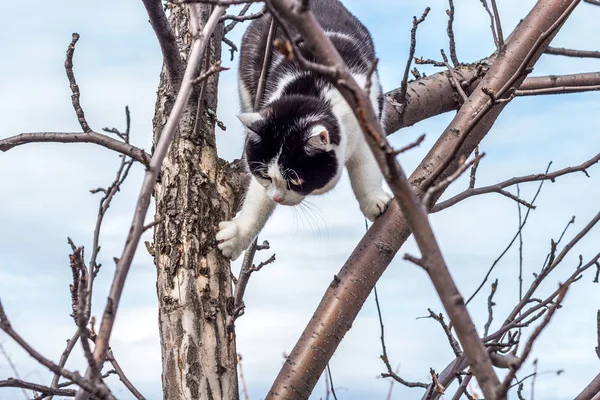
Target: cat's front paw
[
  {"x": 232, "y": 241},
  {"x": 375, "y": 204}
]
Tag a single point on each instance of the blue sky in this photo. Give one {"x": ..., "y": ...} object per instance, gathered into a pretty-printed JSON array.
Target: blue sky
[{"x": 45, "y": 198}]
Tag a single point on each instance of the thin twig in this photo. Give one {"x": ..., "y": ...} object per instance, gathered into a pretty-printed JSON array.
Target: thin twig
[
  {"x": 443, "y": 184},
  {"x": 119, "y": 371},
  {"x": 241, "y": 18},
  {"x": 242, "y": 379},
  {"x": 73, "y": 84},
  {"x": 410, "y": 146},
  {"x": 492, "y": 23},
  {"x": 561, "y": 51},
  {"x": 498, "y": 188},
  {"x": 18, "y": 383},
  {"x": 455, "y": 80},
  {"x": 331, "y": 382},
  {"x": 529, "y": 345},
  {"x": 13, "y": 368},
  {"x": 498, "y": 25},
  {"x": 450, "y": 31},
  {"x": 384, "y": 357},
  {"x": 77, "y": 137},
  {"x": 491, "y": 304},
  {"x": 497, "y": 260},
  {"x": 411, "y": 55}
]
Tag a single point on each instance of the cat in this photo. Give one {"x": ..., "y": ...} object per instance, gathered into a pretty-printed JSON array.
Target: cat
[{"x": 304, "y": 133}]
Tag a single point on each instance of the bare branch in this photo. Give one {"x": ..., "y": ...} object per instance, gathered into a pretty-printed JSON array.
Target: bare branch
[
  {"x": 17, "y": 383},
  {"x": 529, "y": 345},
  {"x": 411, "y": 54},
  {"x": 561, "y": 51},
  {"x": 491, "y": 304},
  {"x": 443, "y": 184},
  {"x": 498, "y": 188},
  {"x": 166, "y": 40},
  {"x": 13, "y": 368},
  {"x": 492, "y": 23},
  {"x": 384, "y": 356},
  {"x": 63, "y": 359},
  {"x": 450, "y": 31},
  {"x": 77, "y": 137},
  {"x": 455, "y": 80},
  {"x": 410, "y": 146},
  {"x": 73, "y": 84},
  {"x": 119, "y": 371},
  {"x": 448, "y": 331},
  {"x": 425, "y": 102},
  {"x": 214, "y": 69},
  {"x": 241, "y": 18},
  {"x": 498, "y": 25}
]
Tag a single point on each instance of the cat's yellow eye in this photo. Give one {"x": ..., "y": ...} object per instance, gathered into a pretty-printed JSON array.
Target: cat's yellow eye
[
  {"x": 297, "y": 182},
  {"x": 265, "y": 175}
]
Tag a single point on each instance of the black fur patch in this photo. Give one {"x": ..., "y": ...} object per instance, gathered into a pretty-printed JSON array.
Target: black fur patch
[{"x": 279, "y": 137}]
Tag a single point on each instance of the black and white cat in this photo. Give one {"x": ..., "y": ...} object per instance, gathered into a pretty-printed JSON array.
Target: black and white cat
[{"x": 303, "y": 134}]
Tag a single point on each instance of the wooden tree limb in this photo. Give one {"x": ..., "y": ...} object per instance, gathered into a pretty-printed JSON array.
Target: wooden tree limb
[
  {"x": 430, "y": 96},
  {"x": 354, "y": 282},
  {"x": 77, "y": 137},
  {"x": 160, "y": 151},
  {"x": 590, "y": 391},
  {"x": 166, "y": 40},
  {"x": 561, "y": 51}
]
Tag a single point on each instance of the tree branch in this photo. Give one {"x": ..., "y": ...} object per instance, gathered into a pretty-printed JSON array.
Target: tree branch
[
  {"x": 561, "y": 51},
  {"x": 432, "y": 95},
  {"x": 499, "y": 187},
  {"x": 77, "y": 137},
  {"x": 166, "y": 40},
  {"x": 590, "y": 390},
  {"x": 17, "y": 383}
]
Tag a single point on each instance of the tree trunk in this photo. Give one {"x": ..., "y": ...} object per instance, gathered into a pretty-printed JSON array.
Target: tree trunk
[{"x": 193, "y": 193}]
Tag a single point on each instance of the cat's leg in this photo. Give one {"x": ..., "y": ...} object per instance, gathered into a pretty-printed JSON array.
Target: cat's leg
[
  {"x": 366, "y": 180},
  {"x": 236, "y": 235}
]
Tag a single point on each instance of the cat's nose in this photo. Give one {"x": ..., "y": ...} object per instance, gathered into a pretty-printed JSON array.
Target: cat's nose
[{"x": 277, "y": 199}]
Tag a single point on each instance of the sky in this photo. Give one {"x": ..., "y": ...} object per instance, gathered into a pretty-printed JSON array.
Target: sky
[{"x": 45, "y": 199}]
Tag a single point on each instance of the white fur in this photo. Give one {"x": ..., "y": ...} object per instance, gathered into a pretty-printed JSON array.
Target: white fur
[{"x": 353, "y": 152}]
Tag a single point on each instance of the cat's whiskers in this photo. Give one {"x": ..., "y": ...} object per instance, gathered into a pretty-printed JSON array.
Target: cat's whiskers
[{"x": 312, "y": 215}]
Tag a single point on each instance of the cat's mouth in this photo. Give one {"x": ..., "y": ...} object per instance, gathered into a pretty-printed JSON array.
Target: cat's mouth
[{"x": 288, "y": 201}]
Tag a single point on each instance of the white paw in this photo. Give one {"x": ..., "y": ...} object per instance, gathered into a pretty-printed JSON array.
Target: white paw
[
  {"x": 375, "y": 204},
  {"x": 231, "y": 240}
]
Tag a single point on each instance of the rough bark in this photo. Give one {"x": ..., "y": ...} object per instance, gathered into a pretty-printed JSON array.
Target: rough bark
[{"x": 194, "y": 192}]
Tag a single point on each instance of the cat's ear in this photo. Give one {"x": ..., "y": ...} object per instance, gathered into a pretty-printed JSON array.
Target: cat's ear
[
  {"x": 318, "y": 141},
  {"x": 249, "y": 118}
]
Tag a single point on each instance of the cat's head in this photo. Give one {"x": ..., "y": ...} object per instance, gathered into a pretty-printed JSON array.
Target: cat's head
[{"x": 290, "y": 148}]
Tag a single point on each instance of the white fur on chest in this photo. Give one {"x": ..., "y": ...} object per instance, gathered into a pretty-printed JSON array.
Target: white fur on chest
[{"x": 350, "y": 131}]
